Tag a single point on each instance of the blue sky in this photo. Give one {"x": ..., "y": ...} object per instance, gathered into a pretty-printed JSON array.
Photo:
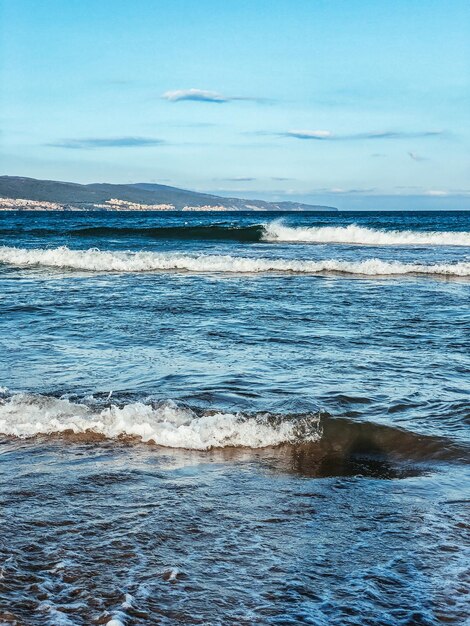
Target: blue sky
[{"x": 361, "y": 104}]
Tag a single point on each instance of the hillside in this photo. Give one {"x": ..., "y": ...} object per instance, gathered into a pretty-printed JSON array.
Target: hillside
[{"x": 85, "y": 196}]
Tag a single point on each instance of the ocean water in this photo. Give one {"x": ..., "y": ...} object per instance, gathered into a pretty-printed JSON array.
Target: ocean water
[{"x": 234, "y": 418}]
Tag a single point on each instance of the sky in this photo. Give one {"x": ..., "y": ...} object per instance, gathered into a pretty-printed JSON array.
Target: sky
[{"x": 353, "y": 103}]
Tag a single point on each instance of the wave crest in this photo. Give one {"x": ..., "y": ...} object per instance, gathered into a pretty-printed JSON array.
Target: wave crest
[
  {"x": 95, "y": 260},
  {"x": 360, "y": 235},
  {"x": 166, "y": 423}
]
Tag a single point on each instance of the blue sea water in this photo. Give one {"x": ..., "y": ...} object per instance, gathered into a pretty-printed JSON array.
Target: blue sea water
[{"x": 234, "y": 418}]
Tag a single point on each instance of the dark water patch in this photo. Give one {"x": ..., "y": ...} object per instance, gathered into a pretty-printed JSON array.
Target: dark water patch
[
  {"x": 351, "y": 438},
  {"x": 107, "y": 479},
  {"x": 211, "y": 232}
]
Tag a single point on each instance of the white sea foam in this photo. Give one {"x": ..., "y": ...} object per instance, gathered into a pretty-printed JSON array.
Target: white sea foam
[
  {"x": 353, "y": 234},
  {"x": 119, "y": 261},
  {"x": 166, "y": 424}
]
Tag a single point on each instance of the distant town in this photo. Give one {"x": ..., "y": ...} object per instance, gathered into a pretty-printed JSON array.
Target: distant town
[{"x": 22, "y": 204}]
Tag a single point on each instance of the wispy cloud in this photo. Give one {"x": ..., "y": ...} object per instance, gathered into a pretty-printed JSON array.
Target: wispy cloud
[
  {"x": 238, "y": 179},
  {"x": 437, "y": 192},
  {"x": 309, "y": 134},
  {"x": 195, "y": 95},
  {"x": 203, "y": 95},
  {"x": 107, "y": 142},
  {"x": 442, "y": 193},
  {"x": 340, "y": 190},
  {"x": 327, "y": 135}
]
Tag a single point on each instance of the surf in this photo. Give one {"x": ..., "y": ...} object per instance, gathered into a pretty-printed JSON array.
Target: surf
[
  {"x": 164, "y": 423},
  {"x": 278, "y": 231},
  {"x": 170, "y": 424},
  {"x": 273, "y": 232},
  {"x": 95, "y": 260}
]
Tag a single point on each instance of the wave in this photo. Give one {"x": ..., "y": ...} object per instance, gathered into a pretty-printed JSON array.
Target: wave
[
  {"x": 165, "y": 423},
  {"x": 318, "y": 437},
  {"x": 215, "y": 232},
  {"x": 212, "y": 232},
  {"x": 273, "y": 232},
  {"x": 360, "y": 235},
  {"x": 95, "y": 260}
]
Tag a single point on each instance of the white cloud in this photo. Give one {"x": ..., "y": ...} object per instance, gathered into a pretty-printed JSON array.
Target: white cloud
[
  {"x": 195, "y": 95},
  {"x": 203, "y": 95},
  {"x": 107, "y": 142},
  {"x": 388, "y": 134},
  {"x": 360, "y": 190},
  {"x": 310, "y": 134}
]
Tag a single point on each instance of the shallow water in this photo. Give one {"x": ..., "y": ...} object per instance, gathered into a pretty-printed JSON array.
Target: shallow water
[{"x": 234, "y": 419}]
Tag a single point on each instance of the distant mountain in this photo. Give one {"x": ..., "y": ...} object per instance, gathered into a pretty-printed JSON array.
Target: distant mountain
[{"x": 76, "y": 195}]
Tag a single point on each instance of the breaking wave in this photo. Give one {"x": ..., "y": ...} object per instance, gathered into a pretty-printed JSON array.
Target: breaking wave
[
  {"x": 272, "y": 232},
  {"x": 359, "y": 235},
  {"x": 95, "y": 260},
  {"x": 173, "y": 425},
  {"x": 165, "y": 423}
]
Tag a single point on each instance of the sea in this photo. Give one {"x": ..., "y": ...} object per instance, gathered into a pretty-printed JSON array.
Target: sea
[{"x": 245, "y": 418}]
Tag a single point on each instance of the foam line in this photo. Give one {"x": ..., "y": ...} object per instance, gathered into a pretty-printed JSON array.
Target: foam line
[
  {"x": 166, "y": 424},
  {"x": 95, "y": 260},
  {"x": 277, "y": 231}
]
